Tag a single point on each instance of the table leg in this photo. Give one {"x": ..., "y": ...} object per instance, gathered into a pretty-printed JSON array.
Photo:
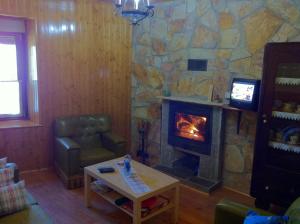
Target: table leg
[
  {"x": 87, "y": 189},
  {"x": 137, "y": 212},
  {"x": 176, "y": 204}
]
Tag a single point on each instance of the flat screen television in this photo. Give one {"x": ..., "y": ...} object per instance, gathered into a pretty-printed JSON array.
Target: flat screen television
[{"x": 245, "y": 93}]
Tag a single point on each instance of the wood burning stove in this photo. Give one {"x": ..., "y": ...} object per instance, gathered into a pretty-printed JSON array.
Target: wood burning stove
[{"x": 190, "y": 127}]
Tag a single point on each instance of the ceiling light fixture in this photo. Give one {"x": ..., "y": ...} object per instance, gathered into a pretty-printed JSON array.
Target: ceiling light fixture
[{"x": 134, "y": 10}]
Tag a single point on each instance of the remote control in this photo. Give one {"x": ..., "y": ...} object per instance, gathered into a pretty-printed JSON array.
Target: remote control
[{"x": 107, "y": 169}]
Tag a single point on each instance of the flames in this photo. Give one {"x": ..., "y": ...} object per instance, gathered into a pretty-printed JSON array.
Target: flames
[{"x": 191, "y": 126}]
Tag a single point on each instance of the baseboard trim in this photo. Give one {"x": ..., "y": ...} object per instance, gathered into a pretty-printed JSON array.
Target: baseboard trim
[
  {"x": 37, "y": 170},
  {"x": 237, "y": 191}
]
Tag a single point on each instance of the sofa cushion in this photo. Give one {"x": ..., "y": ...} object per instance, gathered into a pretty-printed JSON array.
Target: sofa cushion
[
  {"x": 12, "y": 198},
  {"x": 6, "y": 176},
  {"x": 88, "y": 140},
  {"x": 31, "y": 215},
  {"x": 94, "y": 155}
]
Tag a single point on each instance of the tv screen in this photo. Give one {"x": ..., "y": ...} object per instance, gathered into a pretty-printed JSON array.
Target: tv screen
[{"x": 244, "y": 93}]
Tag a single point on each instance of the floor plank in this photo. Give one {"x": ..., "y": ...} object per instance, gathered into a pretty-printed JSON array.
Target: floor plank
[{"x": 67, "y": 206}]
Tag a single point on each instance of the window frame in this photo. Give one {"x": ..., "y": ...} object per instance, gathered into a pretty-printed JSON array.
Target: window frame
[{"x": 22, "y": 74}]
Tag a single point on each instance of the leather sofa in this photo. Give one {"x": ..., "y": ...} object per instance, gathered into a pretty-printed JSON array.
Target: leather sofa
[
  {"x": 33, "y": 214},
  {"x": 229, "y": 212},
  {"x": 82, "y": 141}
]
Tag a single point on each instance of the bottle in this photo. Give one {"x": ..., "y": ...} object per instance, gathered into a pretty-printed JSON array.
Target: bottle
[{"x": 127, "y": 163}]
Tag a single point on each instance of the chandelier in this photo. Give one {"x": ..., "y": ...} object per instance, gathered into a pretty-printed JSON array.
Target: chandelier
[{"x": 134, "y": 10}]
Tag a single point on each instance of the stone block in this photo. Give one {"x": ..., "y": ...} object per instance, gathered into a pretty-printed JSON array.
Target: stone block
[
  {"x": 242, "y": 9},
  {"x": 154, "y": 111},
  {"x": 140, "y": 112},
  {"x": 159, "y": 29},
  {"x": 285, "y": 33},
  {"x": 248, "y": 156},
  {"x": 219, "y": 5},
  {"x": 140, "y": 73},
  {"x": 167, "y": 67},
  {"x": 202, "y": 53},
  {"x": 203, "y": 88},
  {"x": 210, "y": 19},
  {"x": 217, "y": 65},
  {"x": 204, "y": 38},
  {"x": 203, "y": 6},
  {"x": 239, "y": 53},
  {"x": 141, "y": 52},
  {"x": 177, "y": 26},
  {"x": 230, "y": 38},
  {"x": 157, "y": 61},
  {"x": 154, "y": 132},
  {"x": 158, "y": 47},
  {"x": 191, "y": 5},
  {"x": 259, "y": 28},
  {"x": 184, "y": 87},
  {"x": 238, "y": 181},
  {"x": 295, "y": 39},
  {"x": 224, "y": 53},
  {"x": 178, "y": 55},
  {"x": 220, "y": 84},
  {"x": 144, "y": 39},
  {"x": 285, "y": 9},
  {"x": 179, "y": 12},
  {"x": 159, "y": 12},
  {"x": 155, "y": 78},
  {"x": 179, "y": 41},
  {"x": 241, "y": 66},
  {"x": 226, "y": 20},
  {"x": 148, "y": 96},
  {"x": 257, "y": 64},
  {"x": 234, "y": 160}
]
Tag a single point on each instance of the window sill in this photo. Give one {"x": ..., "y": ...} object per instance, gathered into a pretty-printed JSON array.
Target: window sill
[{"x": 18, "y": 124}]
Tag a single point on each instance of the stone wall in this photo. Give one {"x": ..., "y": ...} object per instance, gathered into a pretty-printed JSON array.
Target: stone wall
[{"x": 231, "y": 35}]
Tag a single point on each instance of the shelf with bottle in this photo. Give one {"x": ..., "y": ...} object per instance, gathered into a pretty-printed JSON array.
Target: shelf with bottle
[
  {"x": 284, "y": 147},
  {"x": 287, "y": 81}
]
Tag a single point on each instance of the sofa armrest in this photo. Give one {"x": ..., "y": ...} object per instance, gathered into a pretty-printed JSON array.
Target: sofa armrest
[
  {"x": 67, "y": 144},
  {"x": 229, "y": 212},
  {"x": 67, "y": 156},
  {"x": 114, "y": 143}
]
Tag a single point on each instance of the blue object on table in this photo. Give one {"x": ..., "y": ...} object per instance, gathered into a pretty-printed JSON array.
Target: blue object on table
[
  {"x": 127, "y": 164},
  {"x": 255, "y": 218}
]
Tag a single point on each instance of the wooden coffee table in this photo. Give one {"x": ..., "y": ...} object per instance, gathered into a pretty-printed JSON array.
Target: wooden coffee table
[{"x": 158, "y": 182}]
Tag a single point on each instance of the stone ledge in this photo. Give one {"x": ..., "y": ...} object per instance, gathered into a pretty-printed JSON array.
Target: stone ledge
[{"x": 191, "y": 100}]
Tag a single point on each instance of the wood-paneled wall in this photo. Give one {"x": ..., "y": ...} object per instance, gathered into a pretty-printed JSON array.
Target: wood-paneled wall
[{"x": 84, "y": 66}]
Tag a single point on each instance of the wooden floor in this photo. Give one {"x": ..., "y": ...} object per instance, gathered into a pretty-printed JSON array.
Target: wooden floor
[{"x": 66, "y": 206}]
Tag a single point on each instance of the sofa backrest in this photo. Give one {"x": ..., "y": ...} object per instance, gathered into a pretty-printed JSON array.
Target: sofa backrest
[{"x": 83, "y": 125}]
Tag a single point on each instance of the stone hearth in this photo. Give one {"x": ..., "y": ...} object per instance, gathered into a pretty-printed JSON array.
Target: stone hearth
[{"x": 175, "y": 161}]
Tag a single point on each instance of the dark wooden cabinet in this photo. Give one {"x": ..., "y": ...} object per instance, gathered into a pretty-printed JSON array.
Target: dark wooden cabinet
[{"x": 276, "y": 166}]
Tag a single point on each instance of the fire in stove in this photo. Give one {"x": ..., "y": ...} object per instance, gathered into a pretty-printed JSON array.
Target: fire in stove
[{"x": 191, "y": 126}]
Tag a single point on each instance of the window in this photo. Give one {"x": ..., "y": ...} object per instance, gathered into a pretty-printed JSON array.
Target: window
[{"x": 13, "y": 63}]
